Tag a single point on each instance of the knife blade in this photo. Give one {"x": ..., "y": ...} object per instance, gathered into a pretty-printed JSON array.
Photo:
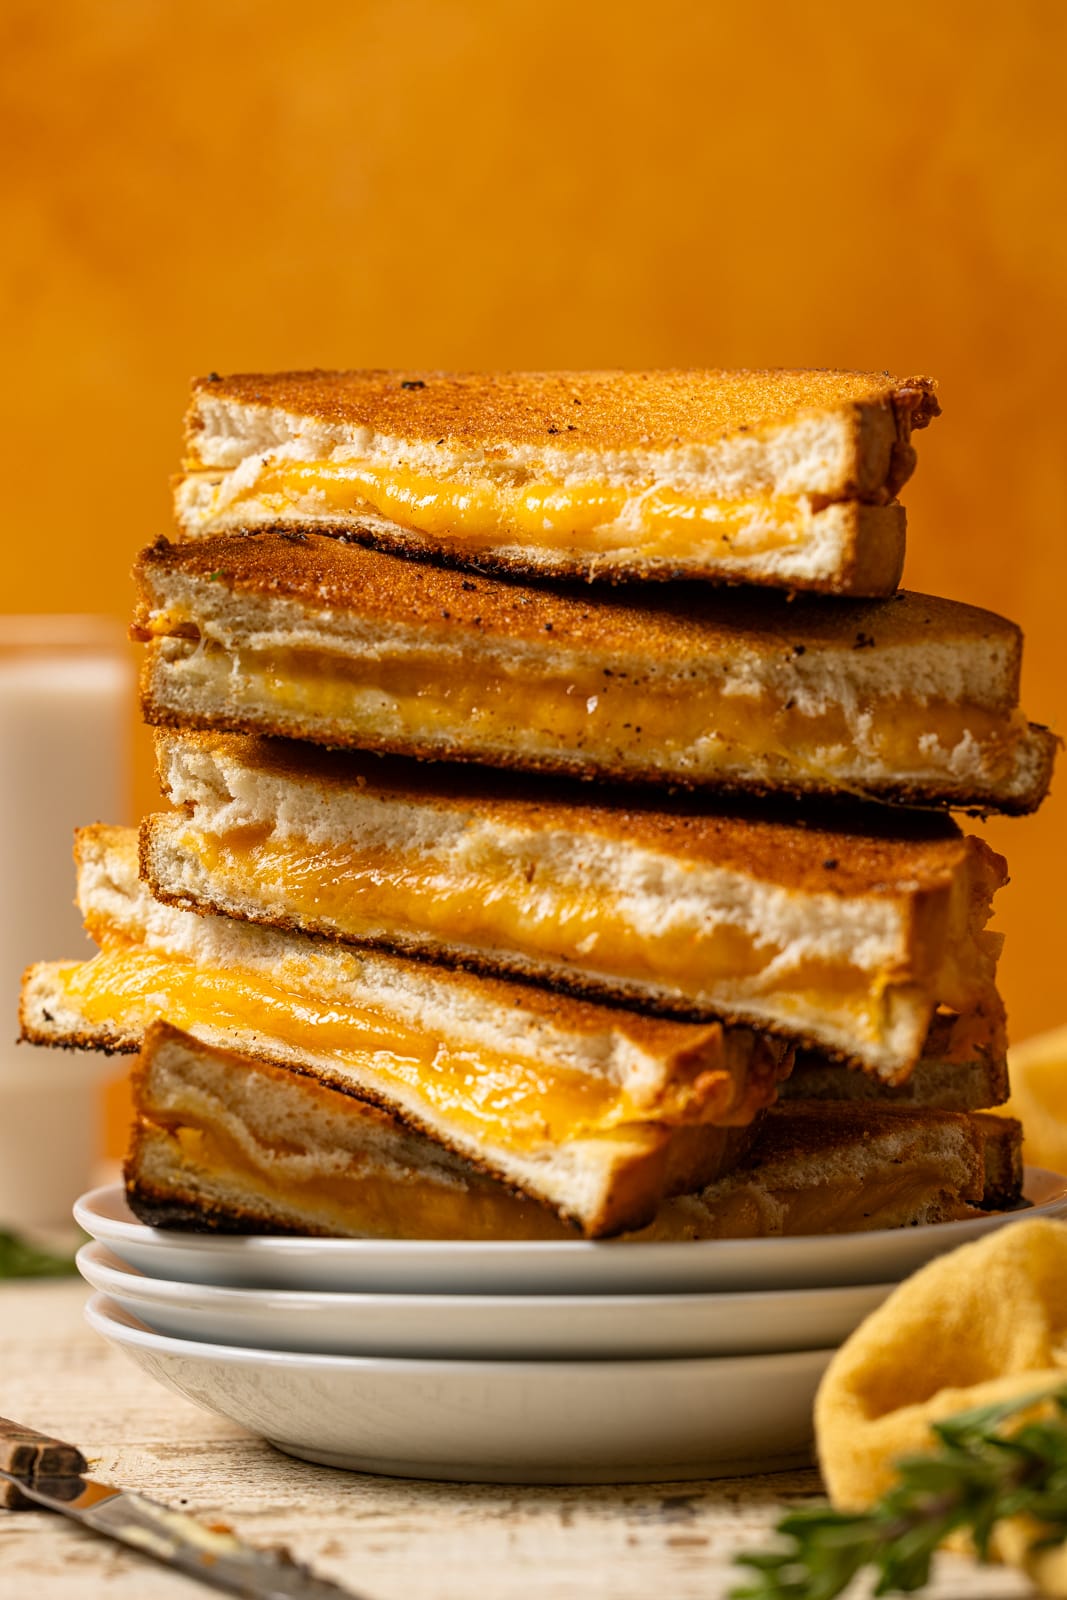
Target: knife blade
[{"x": 47, "y": 1472}]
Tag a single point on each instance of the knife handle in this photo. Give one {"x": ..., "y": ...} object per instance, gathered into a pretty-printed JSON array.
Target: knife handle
[{"x": 28, "y": 1454}]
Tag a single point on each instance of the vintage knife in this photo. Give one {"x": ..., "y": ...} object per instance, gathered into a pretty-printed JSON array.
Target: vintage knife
[{"x": 36, "y": 1470}]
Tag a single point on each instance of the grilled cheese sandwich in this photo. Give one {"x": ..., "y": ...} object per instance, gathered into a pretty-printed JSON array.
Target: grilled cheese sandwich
[
  {"x": 910, "y": 699},
  {"x": 783, "y": 478},
  {"x": 233, "y": 1144},
  {"x": 849, "y": 937},
  {"x": 596, "y": 1111}
]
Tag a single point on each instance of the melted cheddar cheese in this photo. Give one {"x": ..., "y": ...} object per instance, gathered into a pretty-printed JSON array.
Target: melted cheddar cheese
[
  {"x": 368, "y": 1197},
  {"x": 516, "y": 1101},
  {"x": 551, "y": 515},
  {"x": 647, "y": 726},
  {"x": 501, "y": 908}
]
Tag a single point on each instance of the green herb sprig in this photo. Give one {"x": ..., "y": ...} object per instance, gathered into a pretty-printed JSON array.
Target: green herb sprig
[
  {"x": 979, "y": 1475},
  {"x": 21, "y": 1260}
]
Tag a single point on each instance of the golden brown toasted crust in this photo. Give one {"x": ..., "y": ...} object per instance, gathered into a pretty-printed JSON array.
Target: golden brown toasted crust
[
  {"x": 578, "y": 410},
  {"x": 872, "y": 567},
  {"x": 103, "y": 1041},
  {"x": 771, "y": 1058},
  {"x": 669, "y": 626},
  {"x": 885, "y": 853},
  {"x": 99, "y": 839}
]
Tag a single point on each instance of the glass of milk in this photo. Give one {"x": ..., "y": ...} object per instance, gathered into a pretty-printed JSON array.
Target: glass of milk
[{"x": 66, "y": 697}]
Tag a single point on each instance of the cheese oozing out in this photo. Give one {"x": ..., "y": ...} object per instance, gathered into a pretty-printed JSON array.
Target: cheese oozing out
[{"x": 518, "y": 1102}]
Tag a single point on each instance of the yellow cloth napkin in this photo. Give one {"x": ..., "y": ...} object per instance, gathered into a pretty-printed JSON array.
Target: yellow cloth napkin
[{"x": 986, "y": 1323}]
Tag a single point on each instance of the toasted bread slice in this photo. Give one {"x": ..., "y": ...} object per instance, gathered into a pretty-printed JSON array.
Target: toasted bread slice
[
  {"x": 973, "y": 1085},
  {"x": 227, "y": 1143},
  {"x": 597, "y": 1111},
  {"x": 840, "y": 1167},
  {"x": 781, "y": 478},
  {"x": 846, "y": 936},
  {"x": 234, "y": 1143},
  {"x": 963, "y": 1067},
  {"x": 910, "y": 699}
]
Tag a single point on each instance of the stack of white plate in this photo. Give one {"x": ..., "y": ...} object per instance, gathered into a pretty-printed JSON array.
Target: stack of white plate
[{"x": 522, "y": 1363}]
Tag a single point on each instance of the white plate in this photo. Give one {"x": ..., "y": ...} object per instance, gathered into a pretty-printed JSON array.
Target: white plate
[
  {"x": 486, "y": 1327},
  {"x": 497, "y": 1421},
  {"x": 416, "y": 1266}
]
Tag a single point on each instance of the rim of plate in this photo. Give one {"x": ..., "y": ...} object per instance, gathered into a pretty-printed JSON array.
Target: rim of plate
[
  {"x": 104, "y": 1317},
  {"x": 168, "y": 1289},
  {"x": 87, "y": 1208}
]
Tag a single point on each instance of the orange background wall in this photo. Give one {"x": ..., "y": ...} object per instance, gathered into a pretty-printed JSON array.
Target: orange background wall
[{"x": 249, "y": 184}]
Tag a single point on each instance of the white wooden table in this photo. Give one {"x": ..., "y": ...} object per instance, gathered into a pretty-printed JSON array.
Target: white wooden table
[{"x": 387, "y": 1538}]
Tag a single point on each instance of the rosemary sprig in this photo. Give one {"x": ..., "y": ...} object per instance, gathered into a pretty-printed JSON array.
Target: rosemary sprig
[
  {"x": 21, "y": 1260},
  {"x": 978, "y": 1475}
]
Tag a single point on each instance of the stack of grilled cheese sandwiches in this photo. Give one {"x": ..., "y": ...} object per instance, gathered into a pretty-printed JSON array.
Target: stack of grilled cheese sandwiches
[{"x": 560, "y": 840}]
